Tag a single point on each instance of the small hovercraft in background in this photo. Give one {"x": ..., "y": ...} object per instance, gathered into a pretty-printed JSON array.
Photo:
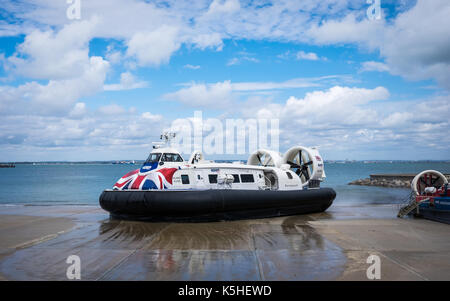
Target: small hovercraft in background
[
  {"x": 167, "y": 187},
  {"x": 430, "y": 197}
]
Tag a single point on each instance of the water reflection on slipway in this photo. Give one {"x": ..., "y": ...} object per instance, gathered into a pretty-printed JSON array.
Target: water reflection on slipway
[
  {"x": 284, "y": 248},
  {"x": 279, "y": 248}
]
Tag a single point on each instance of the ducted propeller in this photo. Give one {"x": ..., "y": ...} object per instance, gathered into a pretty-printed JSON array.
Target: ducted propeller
[
  {"x": 264, "y": 158},
  {"x": 302, "y": 161},
  {"x": 427, "y": 178},
  {"x": 302, "y": 168}
]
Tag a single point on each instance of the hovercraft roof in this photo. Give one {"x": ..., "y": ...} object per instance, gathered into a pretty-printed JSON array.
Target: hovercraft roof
[{"x": 165, "y": 150}]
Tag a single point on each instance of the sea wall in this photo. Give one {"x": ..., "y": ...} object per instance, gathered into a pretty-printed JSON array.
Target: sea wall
[
  {"x": 388, "y": 180},
  {"x": 7, "y": 165}
]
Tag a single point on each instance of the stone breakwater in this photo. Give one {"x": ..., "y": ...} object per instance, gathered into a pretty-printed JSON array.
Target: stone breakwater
[
  {"x": 388, "y": 180},
  {"x": 7, "y": 165}
]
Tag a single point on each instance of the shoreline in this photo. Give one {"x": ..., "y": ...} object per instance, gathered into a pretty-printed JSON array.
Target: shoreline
[{"x": 35, "y": 242}]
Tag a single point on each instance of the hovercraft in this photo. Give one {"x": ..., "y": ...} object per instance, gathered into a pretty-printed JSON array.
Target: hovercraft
[
  {"x": 430, "y": 197},
  {"x": 166, "y": 187}
]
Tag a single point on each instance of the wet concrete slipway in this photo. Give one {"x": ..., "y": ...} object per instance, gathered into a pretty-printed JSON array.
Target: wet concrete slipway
[{"x": 35, "y": 242}]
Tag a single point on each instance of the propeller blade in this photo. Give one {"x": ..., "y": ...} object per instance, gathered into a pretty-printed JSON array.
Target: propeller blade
[
  {"x": 292, "y": 164},
  {"x": 434, "y": 181},
  {"x": 305, "y": 173},
  {"x": 259, "y": 159}
]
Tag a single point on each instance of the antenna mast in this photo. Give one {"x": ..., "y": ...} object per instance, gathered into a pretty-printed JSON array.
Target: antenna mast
[{"x": 166, "y": 137}]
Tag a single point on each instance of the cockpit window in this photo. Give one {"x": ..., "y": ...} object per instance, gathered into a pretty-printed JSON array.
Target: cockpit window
[
  {"x": 168, "y": 157},
  {"x": 153, "y": 157}
]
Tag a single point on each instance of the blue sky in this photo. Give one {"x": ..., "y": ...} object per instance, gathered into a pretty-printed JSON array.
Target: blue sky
[{"x": 104, "y": 86}]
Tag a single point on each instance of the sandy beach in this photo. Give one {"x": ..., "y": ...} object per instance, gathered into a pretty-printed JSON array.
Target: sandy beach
[{"x": 35, "y": 242}]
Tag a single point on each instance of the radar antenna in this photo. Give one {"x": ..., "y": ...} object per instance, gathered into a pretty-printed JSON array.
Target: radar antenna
[{"x": 166, "y": 137}]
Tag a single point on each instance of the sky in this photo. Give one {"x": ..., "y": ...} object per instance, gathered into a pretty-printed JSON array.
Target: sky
[{"x": 103, "y": 81}]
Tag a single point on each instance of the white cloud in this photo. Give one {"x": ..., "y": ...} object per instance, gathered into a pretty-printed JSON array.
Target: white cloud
[
  {"x": 154, "y": 48},
  {"x": 343, "y": 121},
  {"x": 217, "y": 95},
  {"x": 207, "y": 40},
  {"x": 347, "y": 122},
  {"x": 152, "y": 117},
  {"x": 219, "y": 7},
  {"x": 57, "y": 96},
  {"x": 111, "y": 109},
  {"x": 415, "y": 45},
  {"x": 194, "y": 88},
  {"x": 127, "y": 82},
  {"x": 374, "y": 66},
  {"x": 331, "y": 108},
  {"x": 412, "y": 48},
  {"x": 310, "y": 56},
  {"x": 116, "y": 131},
  {"x": 79, "y": 110},
  {"x": 54, "y": 55},
  {"x": 225, "y": 94},
  {"x": 353, "y": 28},
  {"x": 51, "y": 112},
  {"x": 396, "y": 119},
  {"x": 193, "y": 67},
  {"x": 113, "y": 56},
  {"x": 289, "y": 84},
  {"x": 242, "y": 56},
  {"x": 233, "y": 61},
  {"x": 300, "y": 55}
]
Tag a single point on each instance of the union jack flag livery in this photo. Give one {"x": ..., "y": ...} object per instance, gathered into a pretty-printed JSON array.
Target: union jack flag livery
[{"x": 146, "y": 179}]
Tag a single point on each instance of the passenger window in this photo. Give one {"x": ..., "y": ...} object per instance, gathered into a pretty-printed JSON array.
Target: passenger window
[
  {"x": 185, "y": 179},
  {"x": 212, "y": 179},
  {"x": 289, "y": 175},
  {"x": 247, "y": 178},
  {"x": 236, "y": 179}
]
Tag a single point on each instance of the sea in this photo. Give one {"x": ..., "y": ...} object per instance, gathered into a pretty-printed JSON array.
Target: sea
[{"x": 82, "y": 184}]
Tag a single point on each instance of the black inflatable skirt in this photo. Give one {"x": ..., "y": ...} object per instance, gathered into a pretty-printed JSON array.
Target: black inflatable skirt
[{"x": 203, "y": 205}]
